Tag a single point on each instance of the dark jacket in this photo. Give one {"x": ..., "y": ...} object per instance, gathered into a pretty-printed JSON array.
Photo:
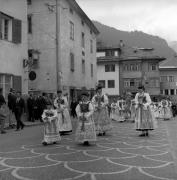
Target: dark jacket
[
  {"x": 11, "y": 101},
  {"x": 19, "y": 106}
]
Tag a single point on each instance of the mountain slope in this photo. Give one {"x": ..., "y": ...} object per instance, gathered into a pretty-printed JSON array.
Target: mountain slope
[{"x": 110, "y": 37}]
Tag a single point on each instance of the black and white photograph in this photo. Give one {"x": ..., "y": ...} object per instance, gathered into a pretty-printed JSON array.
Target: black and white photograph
[{"x": 88, "y": 90}]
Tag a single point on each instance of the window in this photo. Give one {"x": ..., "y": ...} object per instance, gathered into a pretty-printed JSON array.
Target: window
[
  {"x": 110, "y": 68},
  {"x": 91, "y": 46},
  {"x": 30, "y": 24},
  {"x": 72, "y": 62},
  {"x": 126, "y": 83},
  {"x": 161, "y": 92},
  {"x": 83, "y": 40},
  {"x": 82, "y": 22},
  {"x": 132, "y": 83},
  {"x": 137, "y": 82},
  {"x": 172, "y": 92},
  {"x": 153, "y": 67},
  {"x": 111, "y": 84},
  {"x": 102, "y": 82},
  {"x": 91, "y": 66},
  {"x": 166, "y": 91},
  {"x": 29, "y": 2},
  {"x": 171, "y": 78},
  {"x": 71, "y": 30},
  {"x": 10, "y": 28},
  {"x": 71, "y": 10},
  {"x": 83, "y": 66},
  {"x": 163, "y": 78}
]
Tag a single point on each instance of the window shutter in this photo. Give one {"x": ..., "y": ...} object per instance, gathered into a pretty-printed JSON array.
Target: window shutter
[
  {"x": 0, "y": 26},
  {"x": 16, "y": 31},
  {"x": 17, "y": 83}
]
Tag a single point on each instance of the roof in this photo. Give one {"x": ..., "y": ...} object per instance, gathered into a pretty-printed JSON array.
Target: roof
[
  {"x": 104, "y": 48},
  {"x": 77, "y": 8},
  {"x": 116, "y": 59},
  {"x": 169, "y": 63}
]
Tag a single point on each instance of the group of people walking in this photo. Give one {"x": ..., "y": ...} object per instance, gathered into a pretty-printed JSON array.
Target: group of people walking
[{"x": 93, "y": 118}]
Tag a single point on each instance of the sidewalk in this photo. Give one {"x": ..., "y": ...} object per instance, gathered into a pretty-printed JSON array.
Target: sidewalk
[{"x": 25, "y": 121}]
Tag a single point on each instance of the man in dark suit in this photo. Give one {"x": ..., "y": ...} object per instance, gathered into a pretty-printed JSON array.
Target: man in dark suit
[
  {"x": 19, "y": 108},
  {"x": 30, "y": 106},
  {"x": 11, "y": 105},
  {"x": 2, "y": 112}
]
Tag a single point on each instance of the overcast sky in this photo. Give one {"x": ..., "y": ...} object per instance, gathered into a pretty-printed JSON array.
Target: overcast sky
[{"x": 156, "y": 17}]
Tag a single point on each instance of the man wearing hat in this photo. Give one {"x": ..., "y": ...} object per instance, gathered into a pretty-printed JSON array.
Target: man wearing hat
[
  {"x": 61, "y": 104},
  {"x": 51, "y": 128},
  {"x": 11, "y": 104},
  {"x": 85, "y": 131},
  {"x": 101, "y": 116}
]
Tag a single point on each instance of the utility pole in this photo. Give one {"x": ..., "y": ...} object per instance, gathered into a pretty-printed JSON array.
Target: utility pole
[{"x": 58, "y": 52}]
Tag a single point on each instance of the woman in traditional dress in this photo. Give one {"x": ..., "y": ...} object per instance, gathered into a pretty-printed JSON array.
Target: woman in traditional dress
[
  {"x": 133, "y": 110},
  {"x": 121, "y": 104},
  {"x": 85, "y": 131},
  {"x": 165, "y": 111},
  {"x": 101, "y": 117},
  {"x": 51, "y": 129},
  {"x": 115, "y": 115},
  {"x": 144, "y": 120},
  {"x": 61, "y": 104}
]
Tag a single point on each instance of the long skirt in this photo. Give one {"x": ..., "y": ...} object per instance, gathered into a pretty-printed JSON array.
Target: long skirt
[
  {"x": 144, "y": 119},
  {"x": 165, "y": 113},
  {"x": 65, "y": 124},
  {"x": 51, "y": 132},
  {"x": 102, "y": 120},
  {"x": 115, "y": 115},
  {"x": 88, "y": 133}
]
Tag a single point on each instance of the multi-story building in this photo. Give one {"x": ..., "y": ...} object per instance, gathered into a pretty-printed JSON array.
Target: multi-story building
[
  {"x": 76, "y": 61},
  {"x": 122, "y": 70},
  {"x": 168, "y": 77},
  {"x": 13, "y": 45},
  {"x": 108, "y": 69}
]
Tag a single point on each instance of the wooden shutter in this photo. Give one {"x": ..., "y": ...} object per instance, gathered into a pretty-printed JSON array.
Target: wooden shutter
[
  {"x": 16, "y": 31},
  {"x": 0, "y": 26},
  {"x": 17, "y": 83}
]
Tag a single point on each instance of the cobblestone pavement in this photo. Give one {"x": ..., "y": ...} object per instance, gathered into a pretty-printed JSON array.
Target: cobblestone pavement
[{"x": 120, "y": 155}]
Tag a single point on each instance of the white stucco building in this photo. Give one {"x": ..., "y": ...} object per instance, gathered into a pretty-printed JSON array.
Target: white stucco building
[
  {"x": 13, "y": 45},
  {"x": 77, "y": 46},
  {"x": 108, "y": 70}
]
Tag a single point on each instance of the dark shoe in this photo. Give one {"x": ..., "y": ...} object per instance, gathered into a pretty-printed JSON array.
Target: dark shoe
[
  {"x": 44, "y": 143},
  {"x": 142, "y": 135},
  {"x": 11, "y": 126},
  {"x": 3, "y": 132},
  {"x": 54, "y": 142},
  {"x": 104, "y": 133},
  {"x": 86, "y": 143},
  {"x": 100, "y": 134},
  {"x": 22, "y": 126}
]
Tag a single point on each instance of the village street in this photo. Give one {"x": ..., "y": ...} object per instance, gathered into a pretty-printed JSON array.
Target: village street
[{"x": 121, "y": 154}]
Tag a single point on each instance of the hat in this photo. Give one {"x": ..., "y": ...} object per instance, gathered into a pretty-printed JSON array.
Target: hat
[
  {"x": 85, "y": 93},
  {"x": 59, "y": 91},
  {"x": 141, "y": 87},
  {"x": 99, "y": 87}
]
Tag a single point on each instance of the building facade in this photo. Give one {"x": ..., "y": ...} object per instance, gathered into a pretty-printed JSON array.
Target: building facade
[
  {"x": 108, "y": 70},
  {"x": 76, "y": 46},
  {"x": 168, "y": 78},
  {"x": 122, "y": 70},
  {"x": 13, "y": 45}
]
